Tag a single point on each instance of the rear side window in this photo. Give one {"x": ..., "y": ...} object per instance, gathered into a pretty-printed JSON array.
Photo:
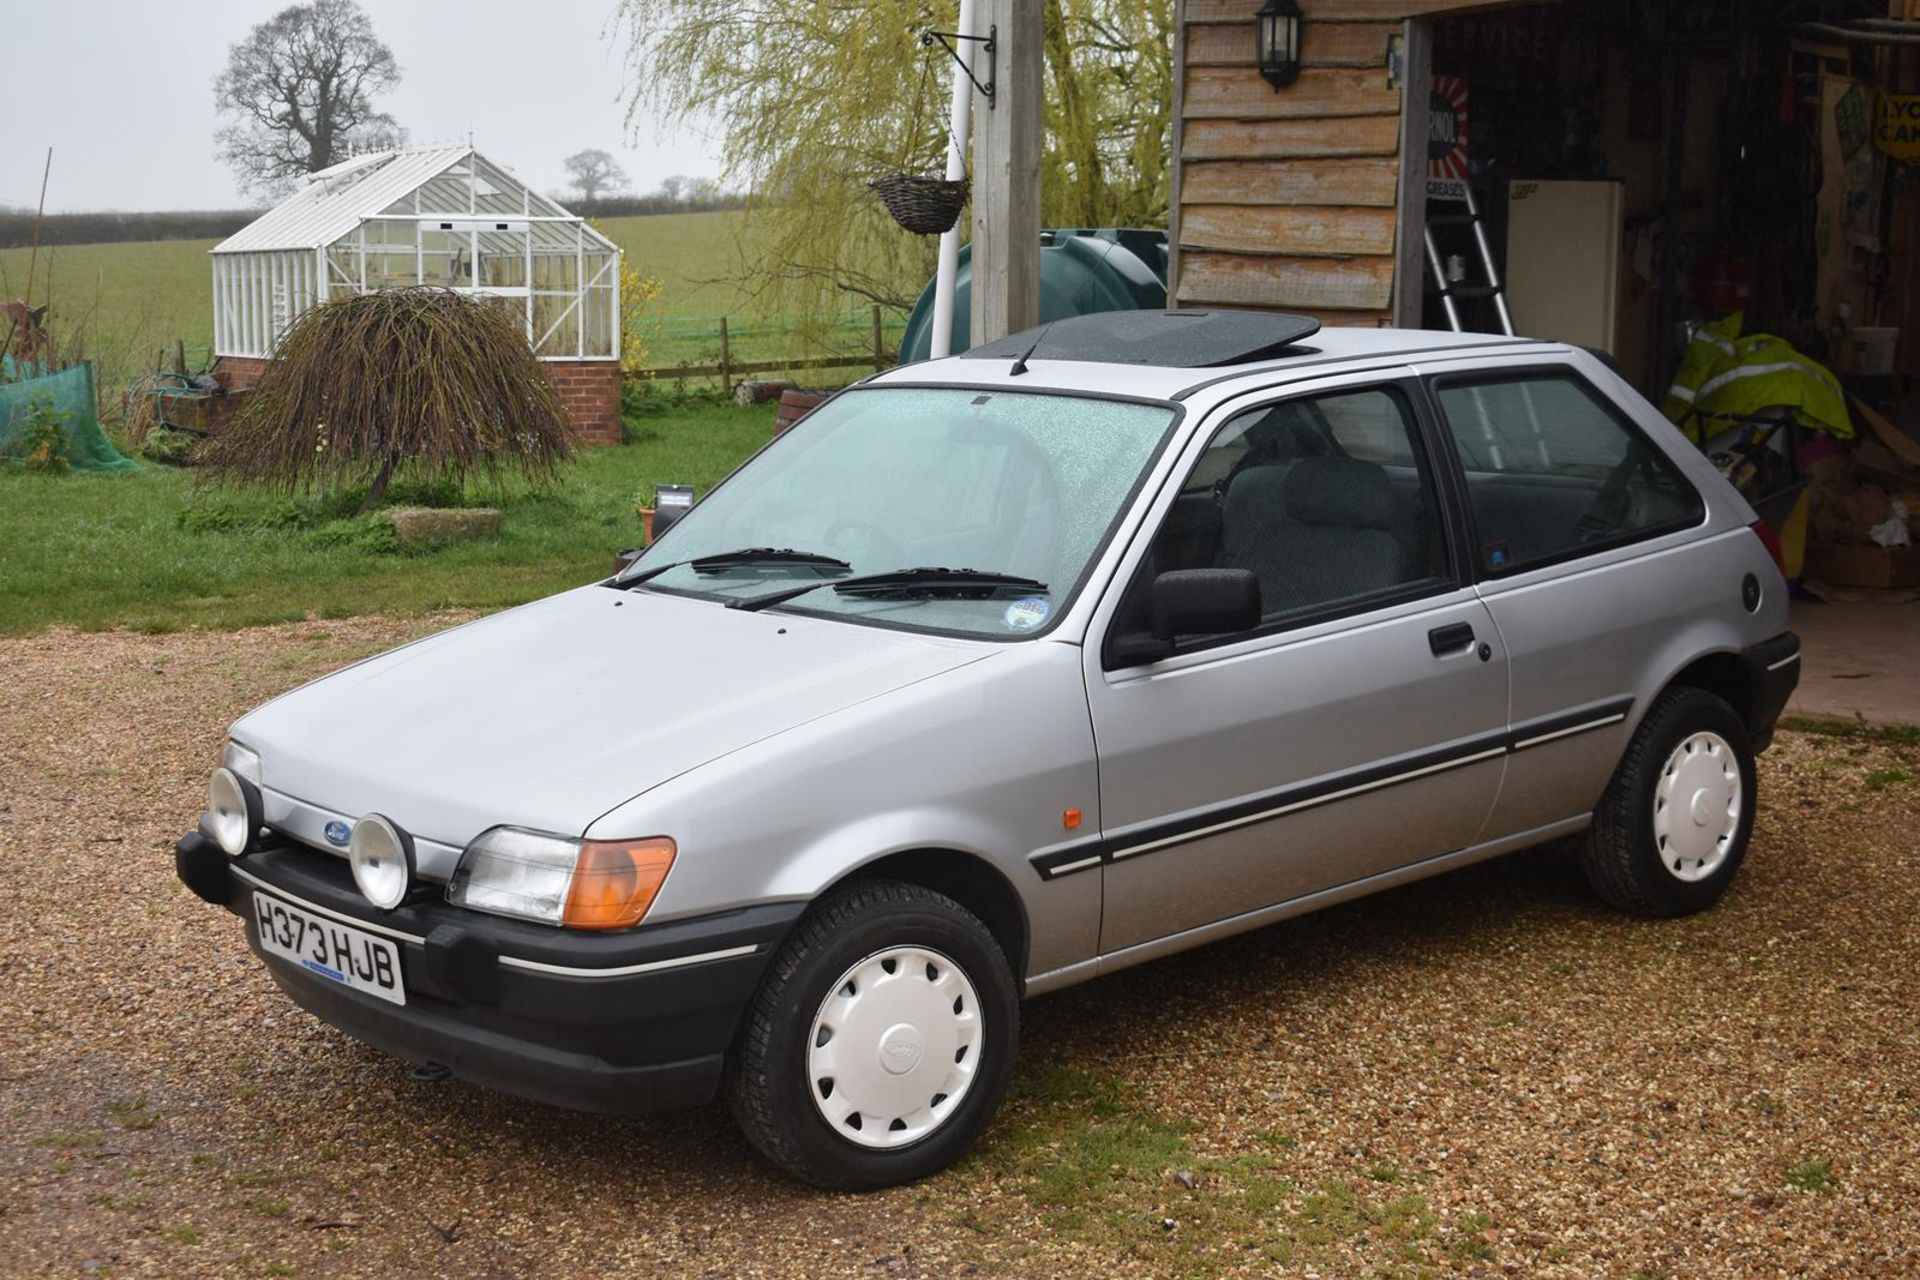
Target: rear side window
[{"x": 1553, "y": 471}]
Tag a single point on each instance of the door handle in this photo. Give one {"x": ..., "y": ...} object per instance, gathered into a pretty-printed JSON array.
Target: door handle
[{"x": 1450, "y": 639}]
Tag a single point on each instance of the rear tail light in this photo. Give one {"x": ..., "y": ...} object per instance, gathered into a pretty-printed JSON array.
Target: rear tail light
[{"x": 1764, "y": 532}]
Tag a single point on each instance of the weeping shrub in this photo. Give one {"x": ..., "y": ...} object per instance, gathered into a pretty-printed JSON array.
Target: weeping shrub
[{"x": 438, "y": 384}]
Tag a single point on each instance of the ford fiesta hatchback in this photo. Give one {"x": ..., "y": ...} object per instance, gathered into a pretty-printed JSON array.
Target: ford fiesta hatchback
[{"x": 1004, "y": 672}]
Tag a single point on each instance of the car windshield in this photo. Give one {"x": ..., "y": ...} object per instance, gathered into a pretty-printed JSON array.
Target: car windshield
[{"x": 898, "y": 478}]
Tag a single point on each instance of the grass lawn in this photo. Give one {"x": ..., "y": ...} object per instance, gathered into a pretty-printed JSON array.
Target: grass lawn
[
  {"x": 135, "y": 298},
  {"x": 152, "y": 551}
]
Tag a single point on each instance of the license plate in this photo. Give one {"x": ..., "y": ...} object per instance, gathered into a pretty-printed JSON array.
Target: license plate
[{"x": 340, "y": 953}]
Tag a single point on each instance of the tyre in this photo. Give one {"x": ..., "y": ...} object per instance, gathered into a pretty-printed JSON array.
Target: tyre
[
  {"x": 1672, "y": 828},
  {"x": 880, "y": 1042}
]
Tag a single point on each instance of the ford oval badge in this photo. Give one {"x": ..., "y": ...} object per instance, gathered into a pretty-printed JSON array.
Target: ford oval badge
[{"x": 339, "y": 833}]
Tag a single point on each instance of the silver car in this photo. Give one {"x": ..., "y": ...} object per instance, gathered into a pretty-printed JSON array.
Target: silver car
[{"x": 998, "y": 674}]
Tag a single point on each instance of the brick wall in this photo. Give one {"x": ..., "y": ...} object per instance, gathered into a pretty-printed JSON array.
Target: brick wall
[
  {"x": 590, "y": 390},
  {"x": 237, "y": 373}
]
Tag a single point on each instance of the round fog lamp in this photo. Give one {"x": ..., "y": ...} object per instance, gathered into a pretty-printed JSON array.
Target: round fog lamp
[
  {"x": 382, "y": 858},
  {"x": 233, "y": 811}
]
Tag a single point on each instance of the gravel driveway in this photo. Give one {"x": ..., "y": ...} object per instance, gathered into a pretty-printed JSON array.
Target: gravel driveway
[{"x": 1485, "y": 1074}]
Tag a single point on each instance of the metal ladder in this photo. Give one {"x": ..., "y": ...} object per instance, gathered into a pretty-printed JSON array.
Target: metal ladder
[{"x": 1448, "y": 290}]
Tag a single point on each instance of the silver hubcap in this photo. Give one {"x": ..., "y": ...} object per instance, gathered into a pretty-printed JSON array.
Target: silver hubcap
[
  {"x": 1696, "y": 807},
  {"x": 894, "y": 1047}
]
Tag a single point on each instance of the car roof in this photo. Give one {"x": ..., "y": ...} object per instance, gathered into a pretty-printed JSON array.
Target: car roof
[{"x": 1101, "y": 354}]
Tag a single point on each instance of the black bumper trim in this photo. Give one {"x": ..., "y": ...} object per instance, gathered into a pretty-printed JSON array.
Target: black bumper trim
[
  {"x": 1773, "y": 669},
  {"x": 614, "y": 1022}
]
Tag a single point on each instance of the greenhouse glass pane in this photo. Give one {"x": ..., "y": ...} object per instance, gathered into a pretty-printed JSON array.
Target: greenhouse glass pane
[
  {"x": 599, "y": 338},
  {"x": 547, "y": 309},
  {"x": 554, "y": 271},
  {"x": 502, "y": 267}
]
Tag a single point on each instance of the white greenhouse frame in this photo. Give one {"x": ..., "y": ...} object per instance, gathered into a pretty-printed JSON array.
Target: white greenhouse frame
[{"x": 440, "y": 216}]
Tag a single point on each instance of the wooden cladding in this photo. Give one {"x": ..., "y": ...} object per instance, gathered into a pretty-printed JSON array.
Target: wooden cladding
[
  {"x": 1371, "y": 181},
  {"x": 1356, "y": 44},
  {"x": 1289, "y": 139},
  {"x": 1313, "y": 284},
  {"x": 1238, "y": 93},
  {"x": 1278, "y": 229},
  {"x": 1288, "y": 199},
  {"x": 1202, "y": 12}
]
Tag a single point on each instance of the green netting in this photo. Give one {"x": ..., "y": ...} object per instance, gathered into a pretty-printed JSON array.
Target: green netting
[{"x": 68, "y": 392}]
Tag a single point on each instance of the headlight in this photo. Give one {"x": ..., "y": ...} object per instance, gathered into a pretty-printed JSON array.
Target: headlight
[
  {"x": 242, "y": 760},
  {"x": 382, "y": 858},
  {"x": 234, "y": 814},
  {"x": 581, "y": 884}
]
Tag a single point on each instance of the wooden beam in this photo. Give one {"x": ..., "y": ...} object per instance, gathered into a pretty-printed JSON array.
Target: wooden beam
[
  {"x": 1409, "y": 295},
  {"x": 1238, "y": 93},
  {"x": 1006, "y": 175},
  {"x": 1337, "y": 11},
  {"x": 1337, "y": 284},
  {"x": 1286, "y": 139},
  {"x": 1270, "y": 230},
  {"x": 1347, "y": 44},
  {"x": 1371, "y": 181}
]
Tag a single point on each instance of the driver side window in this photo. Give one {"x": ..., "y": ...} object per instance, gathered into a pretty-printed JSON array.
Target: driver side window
[
  {"x": 1552, "y": 471},
  {"x": 1328, "y": 501}
]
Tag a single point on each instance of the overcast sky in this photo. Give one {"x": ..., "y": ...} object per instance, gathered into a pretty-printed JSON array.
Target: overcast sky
[{"x": 123, "y": 93}]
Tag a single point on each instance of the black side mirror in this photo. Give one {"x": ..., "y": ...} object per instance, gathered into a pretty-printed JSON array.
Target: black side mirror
[
  {"x": 1205, "y": 602},
  {"x": 1192, "y": 602}
]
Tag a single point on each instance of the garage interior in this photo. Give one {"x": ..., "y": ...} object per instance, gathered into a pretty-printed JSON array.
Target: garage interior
[{"x": 1723, "y": 196}]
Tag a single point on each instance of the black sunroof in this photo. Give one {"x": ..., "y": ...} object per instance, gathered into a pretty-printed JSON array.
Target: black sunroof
[{"x": 1171, "y": 339}]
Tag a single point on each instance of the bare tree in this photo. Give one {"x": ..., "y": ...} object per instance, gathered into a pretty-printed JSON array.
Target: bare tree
[
  {"x": 299, "y": 92},
  {"x": 674, "y": 187},
  {"x": 594, "y": 174}
]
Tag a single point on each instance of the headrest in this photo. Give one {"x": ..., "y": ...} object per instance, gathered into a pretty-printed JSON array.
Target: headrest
[
  {"x": 1256, "y": 497},
  {"x": 1339, "y": 491}
]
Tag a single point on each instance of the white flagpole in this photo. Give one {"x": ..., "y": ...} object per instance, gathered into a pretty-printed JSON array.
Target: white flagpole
[{"x": 944, "y": 279}]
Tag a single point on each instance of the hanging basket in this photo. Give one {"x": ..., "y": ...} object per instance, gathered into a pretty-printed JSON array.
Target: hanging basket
[{"x": 924, "y": 206}]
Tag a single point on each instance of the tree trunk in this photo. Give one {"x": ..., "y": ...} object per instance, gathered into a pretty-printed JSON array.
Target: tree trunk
[{"x": 378, "y": 492}]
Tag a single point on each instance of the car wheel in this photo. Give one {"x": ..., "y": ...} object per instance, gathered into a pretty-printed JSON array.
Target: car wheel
[
  {"x": 1672, "y": 828},
  {"x": 880, "y": 1042}
]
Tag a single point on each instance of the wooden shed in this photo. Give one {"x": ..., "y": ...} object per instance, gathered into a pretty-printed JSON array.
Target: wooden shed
[{"x": 1637, "y": 166}]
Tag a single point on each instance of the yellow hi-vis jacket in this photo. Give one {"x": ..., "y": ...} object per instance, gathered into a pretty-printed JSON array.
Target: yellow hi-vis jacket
[{"x": 1723, "y": 376}]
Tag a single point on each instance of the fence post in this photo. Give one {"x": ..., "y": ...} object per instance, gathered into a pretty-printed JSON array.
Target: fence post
[
  {"x": 879, "y": 342},
  {"x": 726, "y": 361}
]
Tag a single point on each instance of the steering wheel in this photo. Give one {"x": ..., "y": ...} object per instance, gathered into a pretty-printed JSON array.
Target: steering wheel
[{"x": 885, "y": 547}]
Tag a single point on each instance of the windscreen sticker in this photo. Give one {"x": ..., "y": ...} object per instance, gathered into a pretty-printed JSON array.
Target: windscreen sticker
[{"x": 1027, "y": 612}]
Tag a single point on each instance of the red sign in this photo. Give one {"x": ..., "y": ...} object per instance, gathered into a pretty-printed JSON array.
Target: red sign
[{"x": 1447, "y": 139}]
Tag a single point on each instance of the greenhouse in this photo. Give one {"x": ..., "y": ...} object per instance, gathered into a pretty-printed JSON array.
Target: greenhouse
[{"x": 440, "y": 216}]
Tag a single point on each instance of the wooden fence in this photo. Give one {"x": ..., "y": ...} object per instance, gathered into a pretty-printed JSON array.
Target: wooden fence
[{"x": 729, "y": 370}]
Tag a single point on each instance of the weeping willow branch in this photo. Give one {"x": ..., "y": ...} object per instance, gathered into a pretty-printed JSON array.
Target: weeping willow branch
[
  {"x": 814, "y": 100},
  {"x": 429, "y": 381}
]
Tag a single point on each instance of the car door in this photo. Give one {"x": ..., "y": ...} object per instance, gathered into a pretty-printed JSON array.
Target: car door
[
  {"x": 1359, "y": 729},
  {"x": 1575, "y": 518}
]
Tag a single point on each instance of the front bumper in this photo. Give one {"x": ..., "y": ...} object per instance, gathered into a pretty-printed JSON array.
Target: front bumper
[{"x": 614, "y": 1022}]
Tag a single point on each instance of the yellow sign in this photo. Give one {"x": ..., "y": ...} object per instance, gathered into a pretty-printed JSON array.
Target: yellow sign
[{"x": 1896, "y": 126}]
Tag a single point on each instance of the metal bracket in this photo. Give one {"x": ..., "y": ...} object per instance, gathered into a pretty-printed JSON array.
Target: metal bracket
[{"x": 989, "y": 43}]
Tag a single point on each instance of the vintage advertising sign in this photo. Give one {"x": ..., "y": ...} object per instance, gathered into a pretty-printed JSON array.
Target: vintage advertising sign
[
  {"x": 1896, "y": 126},
  {"x": 1447, "y": 139}
]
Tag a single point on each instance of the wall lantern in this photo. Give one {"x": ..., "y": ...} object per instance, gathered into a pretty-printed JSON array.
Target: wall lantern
[{"x": 1276, "y": 30}]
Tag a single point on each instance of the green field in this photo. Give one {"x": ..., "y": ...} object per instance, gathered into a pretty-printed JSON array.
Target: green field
[
  {"x": 150, "y": 550},
  {"x": 127, "y": 301}
]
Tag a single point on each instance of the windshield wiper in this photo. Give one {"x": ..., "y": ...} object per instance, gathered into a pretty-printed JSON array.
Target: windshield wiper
[
  {"x": 721, "y": 561},
  {"x": 928, "y": 580}
]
